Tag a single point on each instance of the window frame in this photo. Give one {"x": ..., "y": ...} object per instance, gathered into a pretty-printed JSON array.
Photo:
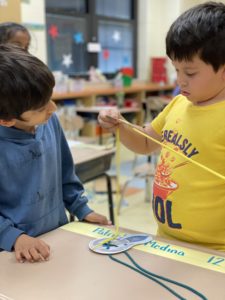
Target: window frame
[{"x": 92, "y": 21}]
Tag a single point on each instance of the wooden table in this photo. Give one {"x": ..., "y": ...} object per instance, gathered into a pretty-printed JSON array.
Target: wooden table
[
  {"x": 92, "y": 162},
  {"x": 75, "y": 273}
]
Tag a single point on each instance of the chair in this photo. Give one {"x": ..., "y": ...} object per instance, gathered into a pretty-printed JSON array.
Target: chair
[
  {"x": 154, "y": 105},
  {"x": 144, "y": 171}
]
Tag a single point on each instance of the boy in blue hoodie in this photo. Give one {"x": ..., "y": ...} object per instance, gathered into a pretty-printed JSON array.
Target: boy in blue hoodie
[{"x": 36, "y": 167}]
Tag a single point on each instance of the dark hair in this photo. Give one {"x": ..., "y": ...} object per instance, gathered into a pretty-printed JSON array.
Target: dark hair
[
  {"x": 8, "y": 30},
  {"x": 199, "y": 31},
  {"x": 26, "y": 83}
]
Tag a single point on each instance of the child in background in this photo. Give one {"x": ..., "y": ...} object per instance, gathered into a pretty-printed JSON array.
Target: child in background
[
  {"x": 13, "y": 33},
  {"x": 37, "y": 171},
  {"x": 189, "y": 202}
]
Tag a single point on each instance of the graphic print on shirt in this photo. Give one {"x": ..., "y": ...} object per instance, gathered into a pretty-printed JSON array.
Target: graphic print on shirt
[{"x": 164, "y": 184}]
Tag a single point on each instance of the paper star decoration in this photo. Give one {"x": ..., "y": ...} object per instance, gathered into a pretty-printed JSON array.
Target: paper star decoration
[
  {"x": 53, "y": 31},
  {"x": 125, "y": 60},
  {"x": 67, "y": 60},
  {"x": 116, "y": 36},
  {"x": 105, "y": 54},
  {"x": 78, "y": 38}
]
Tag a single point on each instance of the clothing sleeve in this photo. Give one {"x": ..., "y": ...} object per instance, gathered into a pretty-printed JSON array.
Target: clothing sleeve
[
  {"x": 73, "y": 190},
  {"x": 159, "y": 122},
  {"x": 8, "y": 234}
]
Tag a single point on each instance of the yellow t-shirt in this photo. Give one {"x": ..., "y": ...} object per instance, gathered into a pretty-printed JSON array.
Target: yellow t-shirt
[{"x": 189, "y": 202}]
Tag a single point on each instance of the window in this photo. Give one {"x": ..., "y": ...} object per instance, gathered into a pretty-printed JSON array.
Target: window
[
  {"x": 71, "y": 25},
  {"x": 117, "y": 46},
  {"x": 66, "y": 44},
  {"x": 117, "y": 8},
  {"x": 66, "y": 6}
]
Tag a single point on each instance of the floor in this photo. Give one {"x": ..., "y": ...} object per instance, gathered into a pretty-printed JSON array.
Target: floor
[{"x": 135, "y": 213}]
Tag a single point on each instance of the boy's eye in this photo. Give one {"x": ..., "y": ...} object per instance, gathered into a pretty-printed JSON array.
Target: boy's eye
[{"x": 191, "y": 74}]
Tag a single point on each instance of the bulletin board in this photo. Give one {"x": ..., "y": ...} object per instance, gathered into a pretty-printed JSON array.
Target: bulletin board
[{"x": 10, "y": 11}]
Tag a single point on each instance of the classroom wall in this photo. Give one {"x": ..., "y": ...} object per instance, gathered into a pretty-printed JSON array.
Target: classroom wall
[
  {"x": 30, "y": 13},
  {"x": 33, "y": 17},
  {"x": 10, "y": 11},
  {"x": 154, "y": 20}
]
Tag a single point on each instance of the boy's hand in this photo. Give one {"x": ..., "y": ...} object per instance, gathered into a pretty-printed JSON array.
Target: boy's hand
[
  {"x": 109, "y": 123},
  {"x": 30, "y": 249},
  {"x": 96, "y": 218}
]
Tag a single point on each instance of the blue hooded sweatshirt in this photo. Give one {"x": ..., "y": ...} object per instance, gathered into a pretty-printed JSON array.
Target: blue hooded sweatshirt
[{"x": 37, "y": 182}]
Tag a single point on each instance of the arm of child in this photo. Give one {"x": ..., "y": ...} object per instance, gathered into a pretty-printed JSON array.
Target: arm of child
[
  {"x": 31, "y": 249},
  {"x": 26, "y": 248},
  {"x": 73, "y": 190},
  {"x": 131, "y": 139}
]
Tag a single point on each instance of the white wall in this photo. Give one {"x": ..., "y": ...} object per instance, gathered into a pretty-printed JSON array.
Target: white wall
[
  {"x": 154, "y": 20},
  {"x": 33, "y": 17},
  {"x": 186, "y": 4}
]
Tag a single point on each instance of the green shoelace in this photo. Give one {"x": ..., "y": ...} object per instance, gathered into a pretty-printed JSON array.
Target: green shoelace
[{"x": 157, "y": 278}]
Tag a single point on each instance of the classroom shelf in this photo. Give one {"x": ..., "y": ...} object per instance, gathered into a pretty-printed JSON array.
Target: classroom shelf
[{"x": 137, "y": 92}]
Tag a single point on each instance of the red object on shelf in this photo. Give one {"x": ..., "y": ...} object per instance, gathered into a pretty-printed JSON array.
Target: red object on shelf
[
  {"x": 159, "y": 72},
  {"x": 127, "y": 76},
  {"x": 127, "y": 71}
]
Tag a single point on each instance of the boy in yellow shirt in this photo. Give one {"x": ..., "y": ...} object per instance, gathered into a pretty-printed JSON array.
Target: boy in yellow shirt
[{"x": 189, "y": 202}]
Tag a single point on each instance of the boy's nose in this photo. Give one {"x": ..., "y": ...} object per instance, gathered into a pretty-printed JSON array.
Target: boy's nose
[{"x": 181, "y": 82}]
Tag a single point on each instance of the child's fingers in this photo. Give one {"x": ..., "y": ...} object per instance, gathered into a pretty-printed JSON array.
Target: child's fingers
[
  {"x": 109, "y": 116},
  {"x": 36, "y": 256},
  {"x": 111, "y": 119},
  {"x": 19, "y": 256},
  {"x": 25, "y": 254},
  {"x": 40, "y": 252},
  {"x": 44, "y": 250}
]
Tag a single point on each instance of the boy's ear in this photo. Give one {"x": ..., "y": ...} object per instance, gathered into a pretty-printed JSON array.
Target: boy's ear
[
  {"x": 223, "y": 72},
  {"x": 7, "y": 123}
]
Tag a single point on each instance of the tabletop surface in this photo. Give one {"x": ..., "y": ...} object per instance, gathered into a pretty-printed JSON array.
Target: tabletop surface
[
  {"x": 84, "y": 152},
  {"x": 74, "y": 272}
]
